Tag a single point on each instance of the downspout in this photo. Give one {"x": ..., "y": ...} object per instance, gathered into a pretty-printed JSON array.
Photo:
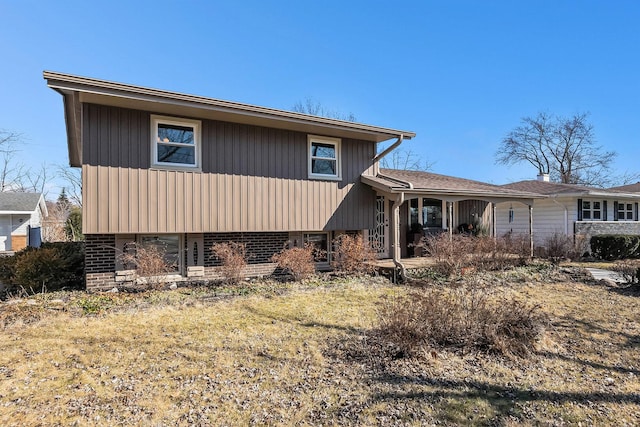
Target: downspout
[
  {"x": 396, "y": 236},
  {"x": 389, "y": 149},
  {"x": 566, "y": 215}
]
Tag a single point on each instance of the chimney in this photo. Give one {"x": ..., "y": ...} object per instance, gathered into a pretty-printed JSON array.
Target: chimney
[{"x": 544, "y": 177}]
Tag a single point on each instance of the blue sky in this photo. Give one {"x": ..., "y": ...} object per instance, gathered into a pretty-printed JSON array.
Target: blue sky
[{"x": 460, "y": 74}]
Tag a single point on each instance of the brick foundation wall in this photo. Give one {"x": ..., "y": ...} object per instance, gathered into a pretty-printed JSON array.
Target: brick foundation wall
[
  {"x": 100, "y": 258},
  {"x": 260, "y": 246},
  {"x": 100, "y": 261}
]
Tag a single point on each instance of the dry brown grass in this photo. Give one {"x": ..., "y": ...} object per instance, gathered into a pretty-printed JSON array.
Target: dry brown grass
[{"x": 307, "y": 357}]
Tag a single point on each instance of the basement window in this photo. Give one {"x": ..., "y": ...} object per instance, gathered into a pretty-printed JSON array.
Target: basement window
[
  {"x": 320, "y": 243},
  {"x": 166, "y": 245},
  {"x": 324, "y": 157},
  {"x": 175, "y": 142}
]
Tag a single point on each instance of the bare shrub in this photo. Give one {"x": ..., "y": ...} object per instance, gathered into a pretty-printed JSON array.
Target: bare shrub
[
  {"x": 298, "y": 261},
  {"x": 464, "y": 318},
  {"x": 558, "y": 247},
  {"x": 149, "y": 261},
  {"x": 353, "y": 255},
  {"x": 629, "y": 270},
  {"x": 519, "y": 245},
  {"x": 233, "y": 256},
  {"x": 450, "y": 255}
]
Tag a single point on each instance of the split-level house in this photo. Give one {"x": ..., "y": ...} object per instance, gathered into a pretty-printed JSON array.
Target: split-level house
[
  {"x": 185, "y": 172},
  {"x": 571, "y": 210}
]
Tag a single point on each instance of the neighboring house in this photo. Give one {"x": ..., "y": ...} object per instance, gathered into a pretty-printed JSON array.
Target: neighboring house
[
  {"x": 571, "y": 210},
  {"x": 629, "y": 188},
  {"x": 185, "y": 172},
  {"x": 20, "y": 220}
]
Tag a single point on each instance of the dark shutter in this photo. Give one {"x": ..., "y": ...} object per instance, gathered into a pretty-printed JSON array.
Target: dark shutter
[
  {"x": 615, "y": 211},
  {"x": 579, "y": 209},
  {"x": 637, "y": 219},
  {"x": 604, "y": 210}
]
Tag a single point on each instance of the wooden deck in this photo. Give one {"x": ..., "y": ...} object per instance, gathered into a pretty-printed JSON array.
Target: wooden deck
[{"x": 409, "y": 263}]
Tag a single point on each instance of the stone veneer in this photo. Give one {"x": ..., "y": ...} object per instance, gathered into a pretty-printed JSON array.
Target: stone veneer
[{"x": 596, "y": 228}]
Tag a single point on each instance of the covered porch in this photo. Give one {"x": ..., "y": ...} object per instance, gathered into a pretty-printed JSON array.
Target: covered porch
[{"x": 413, "y": 204}]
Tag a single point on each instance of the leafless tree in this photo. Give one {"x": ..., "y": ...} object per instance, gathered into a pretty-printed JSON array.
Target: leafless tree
[
  {"x": 14, "y": 175},
  {"x": 11, "y": 171},
  {"x": 315, "y": 108},
  {"x": 72, "y": 177},
  {"x": 53, "y": 226},
  {"x": 565, "y": 148},
  {"x": 406, "y": 160},
  {"x": 33, "y": 180}
]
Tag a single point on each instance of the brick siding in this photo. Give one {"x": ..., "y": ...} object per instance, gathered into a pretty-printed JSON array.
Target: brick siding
[
  {"x": 100, "y": 253},
  {"x": 260, "y": 246},
  {"x": 99, "y": 261}
]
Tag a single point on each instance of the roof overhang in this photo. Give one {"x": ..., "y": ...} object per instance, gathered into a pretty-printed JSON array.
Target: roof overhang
[{"x": 78, "y": 90}]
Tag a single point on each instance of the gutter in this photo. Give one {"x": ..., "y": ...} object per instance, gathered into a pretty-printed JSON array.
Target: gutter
[{"x": 389, "y": 148}]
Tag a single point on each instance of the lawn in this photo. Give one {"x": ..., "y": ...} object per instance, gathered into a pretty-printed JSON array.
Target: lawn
[{"x": 303, "y": 355}]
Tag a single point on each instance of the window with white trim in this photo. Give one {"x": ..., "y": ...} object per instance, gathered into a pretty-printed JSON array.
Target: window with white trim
[
  {"x": 324, "y": 157},
  {"x": 175, "y": 142},
  {"x": 625, "y": 211},
  {"x": 591, "y": 210}
]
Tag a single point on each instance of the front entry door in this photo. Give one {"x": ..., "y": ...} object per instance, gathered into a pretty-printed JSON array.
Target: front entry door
[{"x": 379, "y": 235}]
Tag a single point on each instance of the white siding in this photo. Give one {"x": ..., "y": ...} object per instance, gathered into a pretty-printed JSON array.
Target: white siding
[
  {"x": 19, "y": 224},
  {"x": 548, "y": 218}
]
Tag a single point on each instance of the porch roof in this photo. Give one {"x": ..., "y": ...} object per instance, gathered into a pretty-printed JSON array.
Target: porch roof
[{"x": 428, "y": 183}]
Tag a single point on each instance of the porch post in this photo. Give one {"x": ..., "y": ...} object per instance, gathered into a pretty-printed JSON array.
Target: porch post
[
  {"x": 531, "y": 229},
  {"x": 450, "y": 215},
  {"x": 493, "y": 221}
]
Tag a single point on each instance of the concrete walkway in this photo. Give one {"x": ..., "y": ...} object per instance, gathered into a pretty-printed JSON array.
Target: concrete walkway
[{"x": 600, "y": 274}]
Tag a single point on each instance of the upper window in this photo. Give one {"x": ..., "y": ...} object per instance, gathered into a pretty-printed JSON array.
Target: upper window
[
  {"x": 176, "y": 142},
  {"x": 324, "y": 157},
  {"x": 591, "y": 210},
  {"x": 625, "y": 211}
]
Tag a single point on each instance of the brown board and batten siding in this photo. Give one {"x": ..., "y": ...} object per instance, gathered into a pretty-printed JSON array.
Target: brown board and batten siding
[{"x": 253, "y": 179}]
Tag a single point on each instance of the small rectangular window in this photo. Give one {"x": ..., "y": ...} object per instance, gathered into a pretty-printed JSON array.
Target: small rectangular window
[
  {"x": 176, "y": 142},
  {"x": 591, "y": 210},
  {"x": 324, "y": 157},
  {"x": 625, "y": 211}
]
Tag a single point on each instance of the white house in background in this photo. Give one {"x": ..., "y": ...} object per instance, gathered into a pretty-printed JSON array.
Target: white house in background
[
  {"x": 571, "y": 210},
  {"x": 20, "y": 220}
]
